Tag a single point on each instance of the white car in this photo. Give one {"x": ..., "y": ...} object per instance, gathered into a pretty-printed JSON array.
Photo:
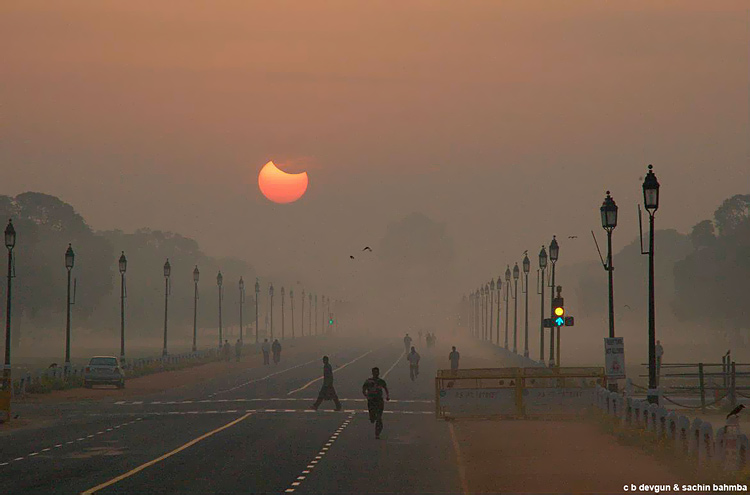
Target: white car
[{"x": 103, "y": 370}]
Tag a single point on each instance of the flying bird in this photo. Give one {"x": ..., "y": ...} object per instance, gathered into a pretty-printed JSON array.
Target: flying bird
[
  {"x": 628, "y": 307},
  {"x": 736, "y": 410},
  {"x": 367, "y": 248},
  {"x": 352, "y": 257},
  {"x": 572, "y": 237}
]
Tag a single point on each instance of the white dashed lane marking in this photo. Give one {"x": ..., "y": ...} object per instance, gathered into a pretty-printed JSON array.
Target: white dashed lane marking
[
  {"x": 319, "y": 456},
  {"x": 60, "y": 445},
  {"x": 210, "y": 401}
]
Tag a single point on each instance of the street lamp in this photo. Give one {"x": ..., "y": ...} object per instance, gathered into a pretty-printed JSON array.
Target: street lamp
[
  {"x": 302, "y": 318},
  {"x": 309, "y": 313},
  {"x": 257, "y": 296},
  {"x": 123, "y": 266},
  {"x": 242, "y": 302},
  {"x": 196, "y": 276},
  {"x": 554, "y": 254},
  {"x": 516, "y": 274},
  {"x": 526, "y": 269},
  {"x": 70, "y": 257},
  {"x": 167, "y": 273},
  {"x": 507, "y": 295},
  {"x": 270, "y": 295},
  {"x": 488, "y": 324},
  {"x": 542, "y": 268},
  {"x": 471, "y": 302},
  {"x": 482, "y": 306},
  {"x": 497, "y": 335},
  {"x": 282, "y": 313},
  {"x": 492, "y": 308},
  {"x": 291, "y": 303},
  {"x": 10, "y": 242},
  {"x": 609, "y": 222},
  {"x": 651, "y": 203},
  {"x": 219, "y": 284},
  {"x": 316, "y": 314}
]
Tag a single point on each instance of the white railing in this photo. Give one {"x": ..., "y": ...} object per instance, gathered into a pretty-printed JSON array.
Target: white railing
[{"x": 696, "y": 438}]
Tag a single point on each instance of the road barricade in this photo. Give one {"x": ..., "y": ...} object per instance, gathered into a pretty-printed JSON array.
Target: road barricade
[{"x": 516, "y": 392}]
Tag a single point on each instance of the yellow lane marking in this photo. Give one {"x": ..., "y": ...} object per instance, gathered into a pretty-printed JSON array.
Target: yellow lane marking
[
  {"x": 459, "y": 461},
  {"x": 165, "y": 456}
]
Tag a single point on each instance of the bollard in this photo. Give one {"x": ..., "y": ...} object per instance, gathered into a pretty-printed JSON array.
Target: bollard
[
  {"x": 706, "y": 447},
  {"x": 695, "y": 440},
  {"x": 683, "y": 428}
]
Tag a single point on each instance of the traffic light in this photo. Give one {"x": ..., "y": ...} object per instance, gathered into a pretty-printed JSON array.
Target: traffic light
[
  {"x": 330, "y": 320},
  {"x": 558, "y": 312}
]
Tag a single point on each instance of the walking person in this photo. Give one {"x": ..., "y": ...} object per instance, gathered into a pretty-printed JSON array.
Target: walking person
[
  {"x": 407, "y": 343},
  {"x": 327, "y": 392},
  {"x": 227, "y": 351},
  {"x": 373, "y": 389},
  {"x": 238, "y": 350},
  {"x": 453, "y": 357},
  {"x": 413, "y": 359},
  {"x": 659, "y": 353},
  {"x": 276, "y": 348},
  {"x": 266, "y": 348}
]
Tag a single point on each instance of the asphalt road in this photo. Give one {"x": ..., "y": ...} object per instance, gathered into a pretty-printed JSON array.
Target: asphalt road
[{"x": 246, "y": 432}]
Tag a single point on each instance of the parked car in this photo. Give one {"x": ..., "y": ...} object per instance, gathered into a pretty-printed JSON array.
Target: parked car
[{"x": 103, "y": 370}]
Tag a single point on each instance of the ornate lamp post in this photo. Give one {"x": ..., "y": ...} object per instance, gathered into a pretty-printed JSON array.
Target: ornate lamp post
[
  {"x": 516, "y": 274},
  {"x": 219, "y": 284},
  {"x": 167, "y": 273},
  {"x": 554, "y": 254},
  {"x": 10, "y": 242},
  {"x": 242, "y": 302},
  {"x": 123, "y": 266},
  {"x": 651, "y": 203},
  {"x": 609, "y": 222},
  {"x": 257, "y": 296},
  {"x": 542, "y": 268},
  {"x": 302, "y": 316},
  {"x": 196, "y": 276},
  {"x": 69, "y": 262},
  {"x": 282, "y": 313},
  {"x": 507, "y": 291},
  {"x": 483, "y": 305},
  {"x": 492, "y": 308},
  {"x": 270, "y": 294},
  {"x": 499, "y": 284},
  {"x": 291, "y": 303},
  {"x": 526, "y": 269}
]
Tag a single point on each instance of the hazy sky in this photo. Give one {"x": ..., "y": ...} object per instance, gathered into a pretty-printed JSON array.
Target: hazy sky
[{"x": 506, "y": 120}]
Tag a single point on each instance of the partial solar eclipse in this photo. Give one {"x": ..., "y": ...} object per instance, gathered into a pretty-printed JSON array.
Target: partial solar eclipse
[{"x": 279, "y": 186}]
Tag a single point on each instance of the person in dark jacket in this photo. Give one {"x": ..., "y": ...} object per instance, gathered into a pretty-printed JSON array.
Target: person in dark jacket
[
  {"x": 276, "y": 348},
  {"x": 327, "y": 392}
]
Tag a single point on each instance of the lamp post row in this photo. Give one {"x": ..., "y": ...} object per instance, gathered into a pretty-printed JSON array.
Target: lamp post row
[
  {"x": 10, "y": 242},
  {"x": 609, "y": 212}
]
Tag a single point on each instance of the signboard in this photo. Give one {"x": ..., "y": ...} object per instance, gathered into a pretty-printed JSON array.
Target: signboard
[
  {"x": 556, "y": 400},
  {"x": 614, "y": 358},
  {"x": 478, "y": 401}
]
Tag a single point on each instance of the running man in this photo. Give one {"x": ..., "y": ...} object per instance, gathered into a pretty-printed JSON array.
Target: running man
[
  {"x": 327, "y": 392},
  {"x": 373, "y": 389}
]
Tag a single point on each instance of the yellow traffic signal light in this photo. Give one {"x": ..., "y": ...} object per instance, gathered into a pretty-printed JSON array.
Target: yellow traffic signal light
[{"x": 559, "y": 311}]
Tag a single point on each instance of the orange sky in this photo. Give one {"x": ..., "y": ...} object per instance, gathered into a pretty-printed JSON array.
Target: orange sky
[{"x": 507, "y": 120}]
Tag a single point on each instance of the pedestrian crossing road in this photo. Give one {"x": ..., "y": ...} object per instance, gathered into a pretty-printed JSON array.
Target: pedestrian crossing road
[{"x": 250, "y": 431}]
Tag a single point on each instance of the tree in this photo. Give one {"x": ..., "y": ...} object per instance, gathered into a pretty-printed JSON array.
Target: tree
[
  {"x": 732, "y": 212},
  {"x": 703, "y": 235}
]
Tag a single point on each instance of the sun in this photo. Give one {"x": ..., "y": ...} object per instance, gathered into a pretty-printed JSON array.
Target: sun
[{"x": 279, "y": 186}]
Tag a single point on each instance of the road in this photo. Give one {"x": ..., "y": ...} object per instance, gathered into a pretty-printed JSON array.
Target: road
[{"x": 247, "y": 432}]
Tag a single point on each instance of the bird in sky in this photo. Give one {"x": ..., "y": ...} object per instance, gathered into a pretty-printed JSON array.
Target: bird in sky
[
  {"x": 736, "y": 410},
  {"x": 572, "y": 237},
  {"x": 367, "y": 248},
  {"x": 628, "y": 306},
  {"x": 352, "y": 257}
]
